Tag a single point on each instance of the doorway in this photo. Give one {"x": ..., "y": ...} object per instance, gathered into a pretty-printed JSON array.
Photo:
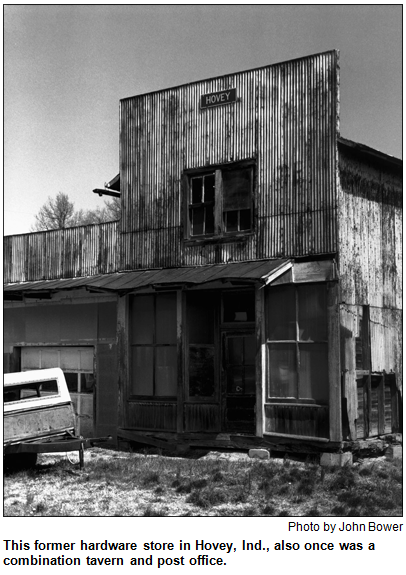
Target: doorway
[{"x": 238, "y": 381}]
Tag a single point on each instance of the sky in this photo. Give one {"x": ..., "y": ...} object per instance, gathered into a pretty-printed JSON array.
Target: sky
[{"x": 67, "y": 66}]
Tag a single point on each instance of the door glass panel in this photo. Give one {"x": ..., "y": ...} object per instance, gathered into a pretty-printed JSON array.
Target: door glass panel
[
  {"x": 250, "y": 379},
  {"x": 235, "y": 350},
  {"x": 235, "y": 382},
  {"x": 249, "y": 350}
]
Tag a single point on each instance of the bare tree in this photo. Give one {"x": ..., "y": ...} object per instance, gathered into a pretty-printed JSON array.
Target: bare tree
[
  {"x": 59, "y": 213},
  {"x": 113, "y": 207}
]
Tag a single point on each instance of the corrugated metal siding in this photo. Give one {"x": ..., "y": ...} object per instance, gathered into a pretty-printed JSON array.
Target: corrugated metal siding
[
  {"x": 285, "y": 118},
  {"x": 72, "y": 252}
]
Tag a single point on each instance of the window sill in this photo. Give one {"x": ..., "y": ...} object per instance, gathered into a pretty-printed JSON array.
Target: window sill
[{"x": 238, "y": 237}]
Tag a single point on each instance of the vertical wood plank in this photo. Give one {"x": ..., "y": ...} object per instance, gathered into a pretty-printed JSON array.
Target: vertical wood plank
[
  {"x": 260, "y": 367},
  {"x": 123, "y": 355},
  {"x": 181, "y": 351},
  {"x": 334, "y": 367}
]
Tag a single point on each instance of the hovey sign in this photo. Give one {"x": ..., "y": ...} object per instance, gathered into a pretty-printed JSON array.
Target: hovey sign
[{"x": 218, "y": 98}]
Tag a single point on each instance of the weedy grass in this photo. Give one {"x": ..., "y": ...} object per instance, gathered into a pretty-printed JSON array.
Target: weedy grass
[{"x": 151, "y": 484}]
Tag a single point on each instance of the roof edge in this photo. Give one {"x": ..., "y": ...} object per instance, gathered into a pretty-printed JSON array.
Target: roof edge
[
  {"x": 210, "y": 79},
  {"x": 368, "y": 150}
]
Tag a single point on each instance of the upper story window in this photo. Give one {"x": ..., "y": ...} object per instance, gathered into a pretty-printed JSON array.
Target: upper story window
[{"x": 220, "y": 201}]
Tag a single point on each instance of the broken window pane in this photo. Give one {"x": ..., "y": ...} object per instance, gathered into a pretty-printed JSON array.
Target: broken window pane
[
  {"x": 209, "y": 188},
  {"x": 233, "y": 191},
  {"x": 231, "y": 221},
  {"x": 245, "y": 220},
  {"x": 209, "y": 220},
  {"x": 197, "y": 221},
  {"x": 197, "y": 190}
]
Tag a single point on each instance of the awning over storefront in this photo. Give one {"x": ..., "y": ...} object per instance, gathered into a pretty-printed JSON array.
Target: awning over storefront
[{"x": 259, "y": 271}]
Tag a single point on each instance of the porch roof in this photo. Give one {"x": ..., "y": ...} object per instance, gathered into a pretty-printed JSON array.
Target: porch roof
[{"x": 264, "y": 271}]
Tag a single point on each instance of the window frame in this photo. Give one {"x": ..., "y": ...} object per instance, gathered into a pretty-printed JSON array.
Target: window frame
[
  {"x": 219, "y": 231},
  {"x": 298, "y": 344}
]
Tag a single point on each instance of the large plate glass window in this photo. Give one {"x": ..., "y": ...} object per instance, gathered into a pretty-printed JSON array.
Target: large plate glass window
[
  {"x": 296, "y": 331},
  {"x": 153, "y": 345}
]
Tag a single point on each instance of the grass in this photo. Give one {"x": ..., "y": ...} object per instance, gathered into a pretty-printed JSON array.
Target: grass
[{"x": 141, "y": 484}]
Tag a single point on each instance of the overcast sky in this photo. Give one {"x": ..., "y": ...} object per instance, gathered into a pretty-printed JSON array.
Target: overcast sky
[{"x": 67, "y": 67}]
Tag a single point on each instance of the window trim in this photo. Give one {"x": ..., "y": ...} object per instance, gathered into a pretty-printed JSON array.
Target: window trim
[{"x": 219, "y": 234}]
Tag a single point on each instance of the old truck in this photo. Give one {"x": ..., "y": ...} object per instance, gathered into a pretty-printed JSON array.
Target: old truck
[{"x": 39, "y": 417}]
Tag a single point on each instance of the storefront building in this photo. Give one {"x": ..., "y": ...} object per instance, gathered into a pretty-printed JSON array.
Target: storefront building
[{"x": 253, "y": 280}]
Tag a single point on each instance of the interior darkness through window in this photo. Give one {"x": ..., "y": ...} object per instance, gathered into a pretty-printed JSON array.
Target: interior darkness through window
[{"x": 221, "y": 202}]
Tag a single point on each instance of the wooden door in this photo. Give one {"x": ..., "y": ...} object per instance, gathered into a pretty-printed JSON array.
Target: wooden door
[{"x": 238, "y": 381}]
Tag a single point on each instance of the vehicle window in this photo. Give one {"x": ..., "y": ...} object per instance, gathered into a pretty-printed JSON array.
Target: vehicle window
[{"x": 24, "y": 391}]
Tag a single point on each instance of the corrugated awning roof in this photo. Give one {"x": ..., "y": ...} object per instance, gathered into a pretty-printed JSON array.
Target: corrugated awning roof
[{"x": 260, "y": 271}]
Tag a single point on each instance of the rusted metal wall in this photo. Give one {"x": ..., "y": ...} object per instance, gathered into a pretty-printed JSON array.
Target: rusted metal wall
[
  {"x": 370, "y": 255},
  {"x": 72, "y": 252},
  {"x": 285, "y": 117}
]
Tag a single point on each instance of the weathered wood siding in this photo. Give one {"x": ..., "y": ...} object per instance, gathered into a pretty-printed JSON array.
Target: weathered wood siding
[
  {"x": 370, "y": 258},
  {"x": 54, "y": 254},
  {"x": 285, "y": 118},
  {"x": 370, "y": 231}
]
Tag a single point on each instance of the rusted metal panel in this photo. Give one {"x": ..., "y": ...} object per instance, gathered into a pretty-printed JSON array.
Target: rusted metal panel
[
  {"x": 72, "y": 252},
  {"x": 284, "y": 118},
  {"x": 257, "y": 271}
]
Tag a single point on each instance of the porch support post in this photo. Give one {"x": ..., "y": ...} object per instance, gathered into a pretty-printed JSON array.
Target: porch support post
[
  {"x": 260, "y": 367},
  {"x": 123, "y": 356},
  {"x": 334, "y": 368},
  {"x": 180, "y": 314}
]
